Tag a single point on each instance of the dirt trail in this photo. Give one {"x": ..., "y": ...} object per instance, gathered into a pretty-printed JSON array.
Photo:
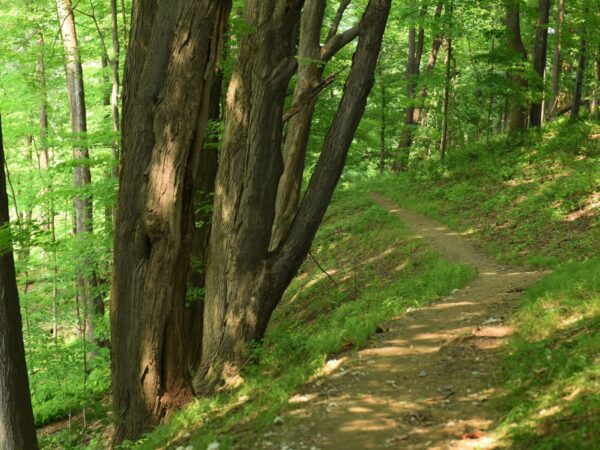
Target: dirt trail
[{"x": 424, "y": 382}]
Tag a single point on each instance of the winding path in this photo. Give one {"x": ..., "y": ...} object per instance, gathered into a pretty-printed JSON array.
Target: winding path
[{"x": 423, "y": 383}]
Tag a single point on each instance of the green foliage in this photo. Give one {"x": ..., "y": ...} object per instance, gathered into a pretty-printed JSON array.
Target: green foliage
[{"x": 552, "y": 371}]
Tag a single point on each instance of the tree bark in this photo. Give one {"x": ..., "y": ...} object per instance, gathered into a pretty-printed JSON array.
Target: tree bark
[
  {"x": 595, "y": 106},
  {"x": 205, "y": 188},
  {"x": 86, "y": 279},
  {"x": 312, "y": 60},
  {"x": 174, "y": 47},
  {"x": 17, "y": 428},
  {"x": 517, "y": 117},
  {"x": 245, "y": 280},
  {"x": 557, "y": 60},
  {"x": 539, "y": 60}
]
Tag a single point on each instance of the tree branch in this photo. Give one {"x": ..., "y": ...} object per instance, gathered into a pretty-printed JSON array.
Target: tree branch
[{"x": 337, "y": 42}]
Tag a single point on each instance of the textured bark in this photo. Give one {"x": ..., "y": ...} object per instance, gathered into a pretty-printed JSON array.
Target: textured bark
[
  {"x": 539, "y": 60},
  {"x": 86, "y": 279},
  {"x": 517, "y": 116},
  {"x": 557, "y": 59},
  {"x": 309, "y": 74},
  {"x": 205, "y": 187},
  {"x": 245, "y": 280},
  {"x": 174, "y": 46},
  {"x": 17, "y": 429}
]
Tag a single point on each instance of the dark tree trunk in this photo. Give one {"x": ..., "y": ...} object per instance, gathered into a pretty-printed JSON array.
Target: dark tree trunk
[
  {"x": 444, "y": 143},
  {"x": 557, "y": 61},
  {"x": 517, "y": 117},
  {"x": 539, "y": 60},
  {"x": 313, "y": 58},
  {"x": 174, "y": 47},
  {"x": 245, "y": 280},
  {"x": 205, "y": 187},
  {"x": 86, "y": 279},
  {"x": 581, "y": 67},
  {"x": 17, "y": 428}
]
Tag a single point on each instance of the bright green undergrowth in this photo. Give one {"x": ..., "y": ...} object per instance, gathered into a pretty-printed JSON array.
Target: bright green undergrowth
[
  {"x": 552, "y": 393},
  {"x": 381, "y": 270},
  {"x": 535, "y": 204}
]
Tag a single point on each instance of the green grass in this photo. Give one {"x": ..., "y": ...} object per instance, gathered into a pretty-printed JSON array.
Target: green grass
[
  {"x": 536, "y": 204},
  {"x": 552, "y": 393},
  {"x": 381, "y": 269}
]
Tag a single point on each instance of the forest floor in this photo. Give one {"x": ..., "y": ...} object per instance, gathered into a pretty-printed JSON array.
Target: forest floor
[{"x": 423, "y": 382}]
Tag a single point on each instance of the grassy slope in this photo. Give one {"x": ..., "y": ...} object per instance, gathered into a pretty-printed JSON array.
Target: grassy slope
[
  {"x": 536, "y": 205},
  {"x": 381, "y": 269}
]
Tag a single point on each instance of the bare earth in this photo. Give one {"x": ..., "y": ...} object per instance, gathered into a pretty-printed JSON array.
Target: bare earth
[{"x": 424, "y": 382}]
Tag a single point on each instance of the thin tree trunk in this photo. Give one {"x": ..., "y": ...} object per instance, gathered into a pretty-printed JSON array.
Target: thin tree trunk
[
  {"x": 444, "y": 143},
  {"x": 517, "y": 117},
  {"x": 413, "y": 110},
  {"x": 539, "y": 60},
  {"x": 557, "y": 60},
  {"x": 383, "y": 110},
  {"x": 86, "y": 279},
  {"x": 17, "y": 428},
  {"x": 312, "y": 61},
  {"x": 114, "y": 96},
  {"x": 168, "y": 75},
  {"x": 595, "y": 106},
  {"x": 245, "y": 280},
  {"x": 581, "y": 67}
]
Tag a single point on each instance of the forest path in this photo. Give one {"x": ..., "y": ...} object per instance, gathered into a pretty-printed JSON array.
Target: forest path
[{"x": 425, "y": 381}]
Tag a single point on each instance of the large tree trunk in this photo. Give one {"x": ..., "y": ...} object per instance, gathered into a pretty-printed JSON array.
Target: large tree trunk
[
  {"x": 205, "y": 188},
  {"x": 17, "y": 428},
  {"x": 245, "y": 280},
  {"x": 174, "y": 46},
  {"x": 313, "y": 57},
  {"x": 539, "y": 60},
  {"x": 517, "y": 117},
  {"x": 557, "y": 60},
  {"x": 86, "y": 279}
]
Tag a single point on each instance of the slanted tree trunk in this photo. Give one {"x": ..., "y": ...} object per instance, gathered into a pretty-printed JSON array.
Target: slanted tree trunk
[
  {"x": 86, "y": 279},
  {"x": 245, "y": 280},
  {"x": 168, "y": 75},
  {"x": 312, "y": 60},
  {"x": 17, "y": 428},
  {"x": 539, "y": 61},
  {"x": 517, "y": 117},
  {"x": 557, "y": 59}
]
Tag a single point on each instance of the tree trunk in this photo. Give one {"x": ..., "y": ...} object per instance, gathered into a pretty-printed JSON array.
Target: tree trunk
[
  {"x": 557, "y": 61},
  {"x": 595, "y": 106},
  {"x": 517, "y": 117},
  {"x": 435, "y": 49},
  {"x": 539, "y": 60},
  {"x": 245, "y": 280},
  {"x": 174, "y": 47},
  {"x": 581, "y": 67},
  {"x": 312, "y": 61},
  {"x": 383, "y": 110},
  {"x": 203, "y": 202},
  {"x": 86, "y": 279},
  {"x": 444, "y": 143},
  {"x": 17, "y": 428},
  {"x": 114, "y": 95}
]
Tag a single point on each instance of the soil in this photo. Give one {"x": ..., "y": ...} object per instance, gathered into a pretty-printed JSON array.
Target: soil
[{"x": 424, "y": 381}]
